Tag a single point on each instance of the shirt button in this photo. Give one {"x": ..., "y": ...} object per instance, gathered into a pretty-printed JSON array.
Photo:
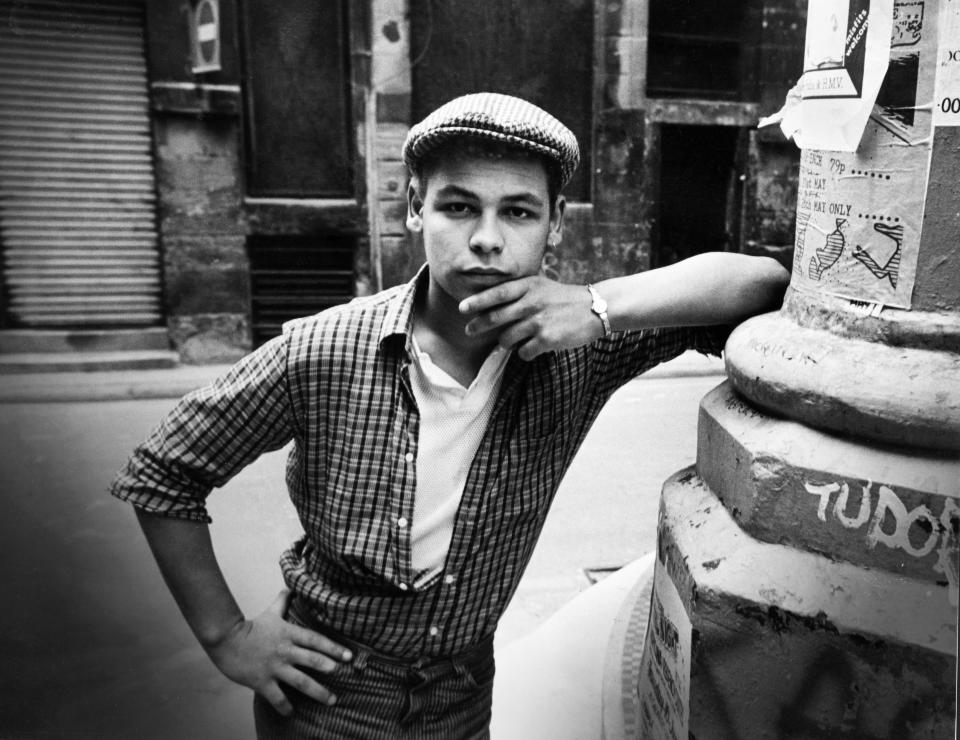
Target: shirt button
[
  {"x": 403, "y": 587},
  {"x": 408, "y": 457},
  {"x": 448, "y": 579},
  {"x": 402, "y": 522},
  {"x": 434, "y": 631}
]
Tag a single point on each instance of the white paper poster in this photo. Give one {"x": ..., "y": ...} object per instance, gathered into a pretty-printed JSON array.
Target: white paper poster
[
  {"x": 664, "y": 686},
  {"x": 859, "y": 214},
  {"x": 946, "y": 100},
  {"x": 845, "y": 60}
]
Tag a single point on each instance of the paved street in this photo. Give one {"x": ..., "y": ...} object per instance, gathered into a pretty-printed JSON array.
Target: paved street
[{"x": 93, "y": 645}]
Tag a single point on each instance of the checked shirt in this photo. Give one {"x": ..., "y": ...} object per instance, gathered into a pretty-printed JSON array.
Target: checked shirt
[{"x": 338, "y": 386}]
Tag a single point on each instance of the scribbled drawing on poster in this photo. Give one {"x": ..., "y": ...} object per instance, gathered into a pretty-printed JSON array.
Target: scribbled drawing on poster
[
  {"x": 946, "y": 99},
  {"x": 859, "y": 214},
  {"x": 664, "y": 685},
  {"x": 890, "y": 270},
  {"x": 907, "y": 23},
  {"x": 827, "y": 255}
]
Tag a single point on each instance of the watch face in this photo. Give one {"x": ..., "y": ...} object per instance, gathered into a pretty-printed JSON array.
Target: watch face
[{"x": 599, "y": 305}]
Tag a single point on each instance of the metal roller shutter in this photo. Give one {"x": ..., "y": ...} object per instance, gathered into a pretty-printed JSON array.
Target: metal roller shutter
[{"x": 77, "y": 223}]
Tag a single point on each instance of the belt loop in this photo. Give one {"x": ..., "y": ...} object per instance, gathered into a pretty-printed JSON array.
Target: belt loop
[
  {"x": 461, "y": 670},
  {"x": 360, "y": 657}
]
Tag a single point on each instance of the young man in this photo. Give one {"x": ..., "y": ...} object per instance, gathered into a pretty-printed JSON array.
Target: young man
[{"x": 432, "y": 424}]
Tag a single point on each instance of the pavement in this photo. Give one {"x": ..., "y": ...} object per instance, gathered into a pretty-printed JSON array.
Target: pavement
[
  {"x": 575, "y": 676},
  {"x": 93, "y": 645}
]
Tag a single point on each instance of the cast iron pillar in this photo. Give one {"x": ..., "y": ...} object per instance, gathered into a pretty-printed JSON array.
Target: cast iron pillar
[{"x": 806, "y": 582}]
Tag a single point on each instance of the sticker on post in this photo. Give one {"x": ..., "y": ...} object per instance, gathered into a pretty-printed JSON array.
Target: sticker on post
[{"x": 664, "y": 685}]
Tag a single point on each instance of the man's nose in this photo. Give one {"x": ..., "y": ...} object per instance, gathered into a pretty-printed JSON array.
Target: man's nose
[{"x": 487, "y": 237}]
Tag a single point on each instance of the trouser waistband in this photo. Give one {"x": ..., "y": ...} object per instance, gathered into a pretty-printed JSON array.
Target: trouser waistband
[{"x": 473, "y": 656}]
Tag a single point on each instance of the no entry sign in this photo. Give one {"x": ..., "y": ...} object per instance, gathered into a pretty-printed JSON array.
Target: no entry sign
[{"x": 205, "y": 36}]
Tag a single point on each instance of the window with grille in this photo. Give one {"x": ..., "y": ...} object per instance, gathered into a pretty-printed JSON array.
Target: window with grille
[
  {"x": 297, "y": 275},
  {"x": 700, "y": 49}
]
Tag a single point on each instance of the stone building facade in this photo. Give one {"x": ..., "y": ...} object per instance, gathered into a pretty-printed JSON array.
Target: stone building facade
[{"x": 278, "y": 187}]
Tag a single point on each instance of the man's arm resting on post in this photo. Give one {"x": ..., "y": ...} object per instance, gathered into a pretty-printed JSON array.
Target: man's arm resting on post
[
  {"x": 537, "y": 315},
  {"x": 260, "y": 653},
  {"x": 709, "y": 288}
]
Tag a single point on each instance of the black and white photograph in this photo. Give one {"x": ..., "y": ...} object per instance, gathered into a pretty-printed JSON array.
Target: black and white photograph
[{"x": 498, "y": 370}]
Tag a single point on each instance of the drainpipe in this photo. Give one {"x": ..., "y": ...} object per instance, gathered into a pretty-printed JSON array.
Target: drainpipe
[{"x": 373, "y": 184}]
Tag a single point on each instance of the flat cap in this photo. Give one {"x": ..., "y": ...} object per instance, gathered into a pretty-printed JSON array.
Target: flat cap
[{"x": 496, "y": 117}]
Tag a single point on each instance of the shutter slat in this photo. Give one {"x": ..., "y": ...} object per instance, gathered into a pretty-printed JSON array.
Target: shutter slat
[
  {"x": 49, "y": 34},
  {"x": 92, "y": 320},
  {"x": 88, "y": 195},
  {"x": 119, "y": 9},
  {"x": 84, "y": 262},
  {"x": 79, "y": 101},
  {"x": 52, "y": 254},
  {"x": 90, "y": 165},
  {"x": 34, "y": 284},
  {"x": 67, "y": 158},
  {"x": 68, "y": 126},
  {"x": 77, "y": 190},
  {"x": 90, "y": 243},
  {"x": 18, "y": 53},
  {"x": 31, "y": 74},
  {"x": 17, "y": 224}
]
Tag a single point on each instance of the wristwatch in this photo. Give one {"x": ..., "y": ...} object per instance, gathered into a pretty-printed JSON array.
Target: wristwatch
[{"x": 599, "y": 307}]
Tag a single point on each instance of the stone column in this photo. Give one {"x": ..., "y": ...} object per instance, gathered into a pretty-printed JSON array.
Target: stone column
[{"x": 806, "y": 580}]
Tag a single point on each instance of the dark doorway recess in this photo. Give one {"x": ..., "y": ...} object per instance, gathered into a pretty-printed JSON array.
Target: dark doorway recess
[
  {"x": 297, "y": 114},
  {"x": 700, "y": 192}
]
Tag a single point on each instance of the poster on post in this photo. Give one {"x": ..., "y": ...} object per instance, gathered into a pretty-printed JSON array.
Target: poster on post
[
  {"x": 946, "y": 99},
  {"x": 859, "y": 213},
  {"x": 845, "y": 59},
  {"x": 664, "y": 685}
]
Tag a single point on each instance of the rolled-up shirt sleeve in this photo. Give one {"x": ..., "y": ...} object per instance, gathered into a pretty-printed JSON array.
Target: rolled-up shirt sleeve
[
  {"x": 622, "y": 356},
  {"x": 210, "y": 436}
]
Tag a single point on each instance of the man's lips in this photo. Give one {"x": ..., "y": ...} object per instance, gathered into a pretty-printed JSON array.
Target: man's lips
[{"x": 489, "y": 274}]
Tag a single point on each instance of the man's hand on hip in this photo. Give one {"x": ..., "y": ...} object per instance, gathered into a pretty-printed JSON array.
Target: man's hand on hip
[
  {"x": 264, "y": 652},
  {"x": 534, "y": 315}
]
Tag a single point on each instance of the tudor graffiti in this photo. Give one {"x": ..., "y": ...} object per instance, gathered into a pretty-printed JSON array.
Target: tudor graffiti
[
  {"x": 859, "y": 213},
  {"x": 883, "y": 518}
]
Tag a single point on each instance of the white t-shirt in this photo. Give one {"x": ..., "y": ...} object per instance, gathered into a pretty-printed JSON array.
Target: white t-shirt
[{"x": 453, "y": 420}]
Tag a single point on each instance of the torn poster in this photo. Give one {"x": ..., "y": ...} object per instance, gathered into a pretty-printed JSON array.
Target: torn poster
[
  {"x": 859, "y": 214},
  {"x": 845, "y": 59}
]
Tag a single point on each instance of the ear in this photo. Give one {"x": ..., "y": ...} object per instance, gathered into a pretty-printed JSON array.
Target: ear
[
  {"x": 555, "y": 234},
  {"x": 414, "y": 209}
]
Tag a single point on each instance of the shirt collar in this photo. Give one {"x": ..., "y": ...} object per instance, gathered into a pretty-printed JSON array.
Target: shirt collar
[{"x": 398, "y": 321}]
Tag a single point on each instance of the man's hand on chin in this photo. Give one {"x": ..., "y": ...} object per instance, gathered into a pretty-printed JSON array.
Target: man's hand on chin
[{"x": 533, "y": 315}]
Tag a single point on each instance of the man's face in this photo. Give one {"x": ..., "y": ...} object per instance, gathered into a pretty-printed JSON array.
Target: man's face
[{"x": 484, "y": 221}]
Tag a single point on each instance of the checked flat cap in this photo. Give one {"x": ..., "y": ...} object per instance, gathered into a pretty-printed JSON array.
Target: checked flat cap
[{"x": 498, "y": 118}]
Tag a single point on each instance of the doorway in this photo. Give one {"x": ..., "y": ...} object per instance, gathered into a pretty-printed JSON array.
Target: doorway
[{"x": 700, "y": 192}]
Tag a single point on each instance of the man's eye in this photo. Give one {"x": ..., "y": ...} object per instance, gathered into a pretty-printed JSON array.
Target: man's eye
[
  {"x": 519, "y": 213},
  {"x": 457, "y": 209}
]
